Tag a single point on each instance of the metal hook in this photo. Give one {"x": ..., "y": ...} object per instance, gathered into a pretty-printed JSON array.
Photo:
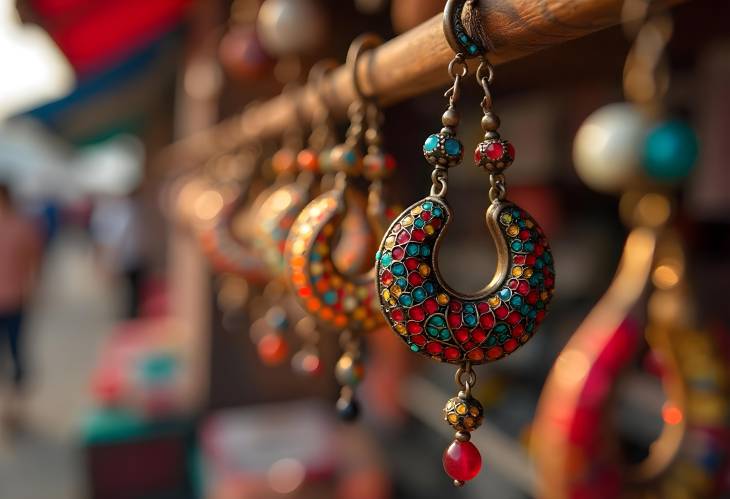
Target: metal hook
[{"x": 359, "y": 46}]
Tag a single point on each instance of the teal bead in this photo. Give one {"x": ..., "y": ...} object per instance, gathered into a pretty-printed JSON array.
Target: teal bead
[
  {"x": 670, "y": 151},
  {"x": 432, "y": 142},
  {"x": 452, "y": 147},
  {"x": 386, "y": 259}
]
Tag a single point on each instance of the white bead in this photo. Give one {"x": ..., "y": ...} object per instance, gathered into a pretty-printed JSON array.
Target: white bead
[
  {"x": 291, "y": 27},
  {"x": 607, "y": 147}
]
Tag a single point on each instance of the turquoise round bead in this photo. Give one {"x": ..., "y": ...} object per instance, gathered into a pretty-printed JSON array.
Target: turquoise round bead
[
  {"x": 432, "y": 142},
  {"x": 670, "y": 151}
]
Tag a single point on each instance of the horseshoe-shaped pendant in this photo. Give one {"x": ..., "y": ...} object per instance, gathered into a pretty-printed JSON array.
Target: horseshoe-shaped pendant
[
  {"x": 333, "y": 297},
  {"x": 439, "y": 322}
]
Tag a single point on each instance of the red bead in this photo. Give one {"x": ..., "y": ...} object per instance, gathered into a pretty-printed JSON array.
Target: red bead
[
  {"x": 398, "y": 253},
  {"x": 494, "y": 151},
  {"x": 415, "y": 279},
  {"x": 413, "y": 328},
  {"x": 418, "y": 235},
  {"x": 476, "y": 355},
  {"x": 479, "y": 335},
  {"x": 386, "y": 278},
  {"x": 403, "y": 237},
  {"x": 451, "y": 353},
  {"x": 431, "y": 306},
  {"x": 462, "y": 461},
  {"x": 397, "y": 314},
  {"x": 461, "y": 335},
  {"x": 417, "y": 314},
  {"x": 487, "y": 321},
  {"x": 411, "y": 263},
  {"x": 434, "y": 348}
]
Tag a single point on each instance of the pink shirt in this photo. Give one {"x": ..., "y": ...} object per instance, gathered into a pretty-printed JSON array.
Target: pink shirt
[{"x": 20, "y": 248}]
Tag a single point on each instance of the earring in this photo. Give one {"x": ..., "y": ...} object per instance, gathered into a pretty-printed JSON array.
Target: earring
[
  {"x": 432, "y": 318},
  {"x": 574, "y": 443},
  {"x": 338, "y": 300}
]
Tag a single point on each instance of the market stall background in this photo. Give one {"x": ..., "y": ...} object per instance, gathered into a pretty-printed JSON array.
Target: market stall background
[{"x": 175, "y": 401}]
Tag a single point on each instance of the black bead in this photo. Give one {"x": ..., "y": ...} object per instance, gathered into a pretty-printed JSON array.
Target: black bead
[{"x": 348, "y": 409}]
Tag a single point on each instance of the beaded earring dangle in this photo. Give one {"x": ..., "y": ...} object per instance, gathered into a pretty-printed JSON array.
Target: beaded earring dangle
[
  {"x": 338, "y": 300},
  {"x": 433, "y": 319}
]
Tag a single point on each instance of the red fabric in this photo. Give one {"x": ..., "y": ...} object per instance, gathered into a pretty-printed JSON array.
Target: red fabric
[{"x": 94, "y": 34}]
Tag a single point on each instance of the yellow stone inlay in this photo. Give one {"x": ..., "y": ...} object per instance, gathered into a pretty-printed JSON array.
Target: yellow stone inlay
[
  {"x": 429, "y": 230},
  {"x": 389, "y": 242},
  {"x": 474, "y": 411},
  {"x": 298, "y": 246},
  {"x": 461, "y": 409},
  {"x": 469, "y": 422},
  {"x": 528, "y": 272},
  {"x": 396, "y": 290},
  {"x": 516, "y": 271},
  {"x": 493, "y": 301},
  {"x": 415, "y": 211},
  {"x": 424, "y": 270},
  {"x": 406, "y": 221},
  {"x": 505, "y": 218},
  {"x": 453, "y": 418},
  {"x": 513, "y": 230},
  {"x": 442, "y": 299},
  {"x": 386, "y": 295}
]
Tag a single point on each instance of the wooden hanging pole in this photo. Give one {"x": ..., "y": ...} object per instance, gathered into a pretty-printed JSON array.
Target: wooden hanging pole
[{"x": 414, "y": 63}]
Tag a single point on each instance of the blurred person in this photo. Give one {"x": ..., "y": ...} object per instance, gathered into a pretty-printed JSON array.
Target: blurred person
[
  {"x": 116, "y": 227},
  {"x": 20, "y": 252}
]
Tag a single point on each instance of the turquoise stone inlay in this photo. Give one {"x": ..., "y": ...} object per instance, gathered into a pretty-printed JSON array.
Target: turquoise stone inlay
[
  {"x": 452, "y": 147},
  {"x": 432, "y": 142}
]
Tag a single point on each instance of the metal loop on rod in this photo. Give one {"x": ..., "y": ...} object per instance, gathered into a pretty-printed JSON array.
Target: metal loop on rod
[
  {"x": 359, "y": 46},
  {"x": 498, "y": 189}
]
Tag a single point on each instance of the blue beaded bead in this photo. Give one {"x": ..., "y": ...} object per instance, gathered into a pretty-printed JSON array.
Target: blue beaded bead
[{"x": 670, "y": 151}]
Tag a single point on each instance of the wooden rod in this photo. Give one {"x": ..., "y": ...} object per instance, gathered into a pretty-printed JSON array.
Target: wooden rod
[{"x": 414, "y": 63}]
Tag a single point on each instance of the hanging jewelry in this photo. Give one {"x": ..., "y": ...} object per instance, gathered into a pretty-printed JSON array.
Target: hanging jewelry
[
  {"x": 345, "y": 303},
  {"x": 573, "y": 458},
  {"x": 432, "y": 318}
]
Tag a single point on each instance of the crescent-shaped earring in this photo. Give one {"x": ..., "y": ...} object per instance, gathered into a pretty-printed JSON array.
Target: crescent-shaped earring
[
  {"x": 223, "y": 236},
  {"x": 432, "y": 318},
  {"x": 336, "y": 299}
]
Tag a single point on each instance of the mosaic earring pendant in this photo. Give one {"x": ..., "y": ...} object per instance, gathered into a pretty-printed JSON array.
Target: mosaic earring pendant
[
  {"x": 435, "y": 320},
  {"x": 339, "y": 300}
]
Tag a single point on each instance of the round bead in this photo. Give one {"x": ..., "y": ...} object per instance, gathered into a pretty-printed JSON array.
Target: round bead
[
  {"x": 306, "y": 363},
  {"x": 308, "y": 160},
  {"x": 378, "y": 165},
  {"x": 494, "y": 155},
  {"x": 325, "y": 161},
  {"x": 348, "y": 409},
  {"x": 280, "y": 26},
  {"x": 276, "y": 318},
  {"x": 284, "y": 161},
  {"x": 464, "y": 414},
  {"x": 490, "y": 122},
  {"x": 462, "y": 461},
  {"x": 670, "y": 151},
  {"x": 450, "y": 117},
  {"x": 346, "y": 159},
  {"x": 349, "y": 371},
  {"x": 606, "y": 150},
  {"x": 443, "y": 149},
  {"x": 272, "y": 349}
]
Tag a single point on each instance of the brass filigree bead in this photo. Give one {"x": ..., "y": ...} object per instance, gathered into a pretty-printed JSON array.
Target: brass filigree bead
[
  {"x": 464, "y": 414},
  {"x": 494, "y": 155},
  {"x": 443, "y": 149}
]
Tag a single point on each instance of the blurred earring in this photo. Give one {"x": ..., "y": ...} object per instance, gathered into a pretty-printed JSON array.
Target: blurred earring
[
  {"x": 338, "y": 300},
  {"x": 573, "y": 437},
  {"x": 433, "y": 319}
]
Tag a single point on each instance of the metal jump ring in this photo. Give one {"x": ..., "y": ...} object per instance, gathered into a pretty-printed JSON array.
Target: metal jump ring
[
  {"x": 465, "y": 370},
  {"x": 458, "y": 60},
  {"x": 359, "y": 46}
]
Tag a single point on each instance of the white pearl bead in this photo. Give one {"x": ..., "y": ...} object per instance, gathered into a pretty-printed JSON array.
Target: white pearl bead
[
  {"x": 607, "y": 147},
  {"x": 289, "y": 27}
]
